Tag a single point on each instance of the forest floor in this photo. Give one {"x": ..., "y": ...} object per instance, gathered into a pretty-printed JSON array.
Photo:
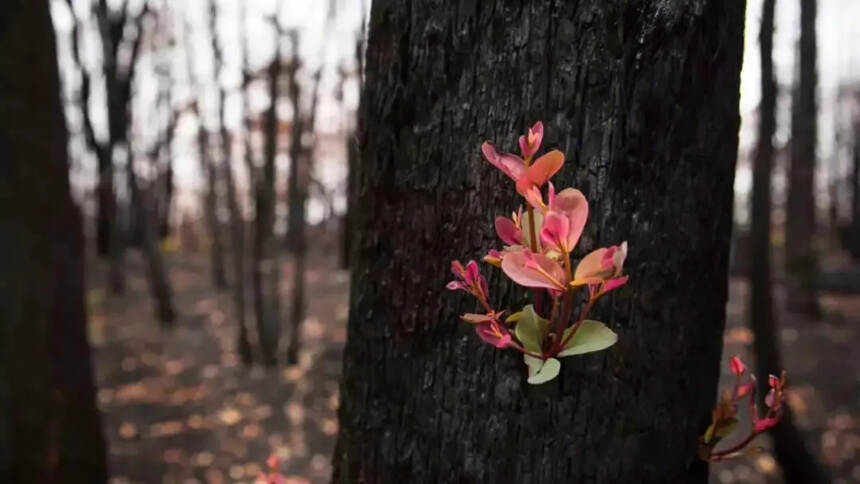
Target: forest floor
[{"x": 179, "y": 406}]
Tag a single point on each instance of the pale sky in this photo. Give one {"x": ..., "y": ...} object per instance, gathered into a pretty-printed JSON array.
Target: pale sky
[{"x": 329, "y": 41}]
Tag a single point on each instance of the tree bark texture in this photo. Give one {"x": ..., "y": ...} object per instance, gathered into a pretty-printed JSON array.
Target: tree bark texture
[
  {"x": 50, "y": 429},
  {"x": 801, "y": 260},
  {"x": 643, "y": 99}
]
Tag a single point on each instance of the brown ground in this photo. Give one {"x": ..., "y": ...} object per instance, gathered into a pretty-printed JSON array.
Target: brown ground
[{"x": 180, "y": 408}]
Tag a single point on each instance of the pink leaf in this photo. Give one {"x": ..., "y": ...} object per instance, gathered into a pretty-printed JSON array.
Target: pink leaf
[
  {"x": 554, "y": 232},
  {"x": 765, "y": 423},
  {"x": 533, "y": 270},
  {"x": 511, "y": 165},
  {"x": 572, "y": 203},
  {"x": 508, "y": 231},
  {"x": 493, "y": 333},
  {"x": 737, "y": 366},
  {"x": 530, "y": 143}
]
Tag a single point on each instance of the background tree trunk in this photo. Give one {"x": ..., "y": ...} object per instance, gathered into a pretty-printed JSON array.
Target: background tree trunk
[
  {"x": 643, "y": 99},
  {"x": 300, "y": 174},
  {"x": 799, "y": 466},
  {"x": 237, "y": 221},
  {"x": 49, "y": 424},
  {"x": 143, "y": 208},
  {"x": 801, "y": 260},
  {"x": 266, "y": 264},
  {"x": 207, "y": 169}
]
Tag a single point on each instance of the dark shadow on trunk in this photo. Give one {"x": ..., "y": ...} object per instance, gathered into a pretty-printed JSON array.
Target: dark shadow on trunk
[{"x": 50, "y": 428}]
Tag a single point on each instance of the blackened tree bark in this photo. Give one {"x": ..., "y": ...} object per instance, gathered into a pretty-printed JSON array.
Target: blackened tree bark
[
  {"x": 799, "y": 466},
  {"x": 237, "y": 221},
  {"x": 49, "y": 425},
  {"x": 643, "y": 99},
  {"x": 801, "y": 260},
  {"x": 265, "y": 277}
]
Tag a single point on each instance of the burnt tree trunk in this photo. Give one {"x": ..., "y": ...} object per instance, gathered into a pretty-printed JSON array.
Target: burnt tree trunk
[
  {"x": 265, "y": 277},
  {"x": 801, "y": 260},
  {"x": 49, "y": 425},
  {"x": 799, "y": 466},
  {"x": 643, "y": 99}
]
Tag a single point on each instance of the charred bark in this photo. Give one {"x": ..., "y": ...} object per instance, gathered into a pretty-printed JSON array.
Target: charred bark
[
  {"x": 643, "y": 99},
  {"x": 50, "y": 428},
  {"x": 801, "y": 259}
]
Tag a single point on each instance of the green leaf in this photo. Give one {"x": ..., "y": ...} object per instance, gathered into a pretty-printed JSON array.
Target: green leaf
[
  {"x": 542, "y": 371},
  {"x": 527, "y": 235},
  {"x": 533, "y": 363},
  {"x": 590, "y": 337},
  {"x": 513, "y": 318},
  {"x": 531, "y": 329}
]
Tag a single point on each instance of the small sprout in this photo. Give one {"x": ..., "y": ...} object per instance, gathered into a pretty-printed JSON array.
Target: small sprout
[
  {"x": 537, "y": 255},
  {"x": 724, "y": 417}
]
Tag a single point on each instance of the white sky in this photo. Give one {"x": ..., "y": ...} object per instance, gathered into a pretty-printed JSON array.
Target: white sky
[
  {"x": 838, "y": 62},
  {"x": 329, "y": 41}
]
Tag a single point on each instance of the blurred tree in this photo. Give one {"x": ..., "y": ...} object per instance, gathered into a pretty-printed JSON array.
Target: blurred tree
[
  {"x": 301, "y": 164},
  {"x": 854, "y": 245},
  {"x": 118, "y": 77},
  {"x": 352, "y": 154},
  {"x": 49, "y": 424},
  {"x": 209, "y": 170},
  {"x": 237, "y": 221},
  {"x": 266, "y": 274},
  {"x": 801, "y": 260},
  {"x": 144, "y": 211},
  {"x": 643, "y": 98},
  {"x": 799, "y": 466}
]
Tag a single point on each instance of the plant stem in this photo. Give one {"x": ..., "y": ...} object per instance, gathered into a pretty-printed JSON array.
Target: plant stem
[
  {"x": 579, "y": 320},
  {"x": 717, "y": 455}
]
